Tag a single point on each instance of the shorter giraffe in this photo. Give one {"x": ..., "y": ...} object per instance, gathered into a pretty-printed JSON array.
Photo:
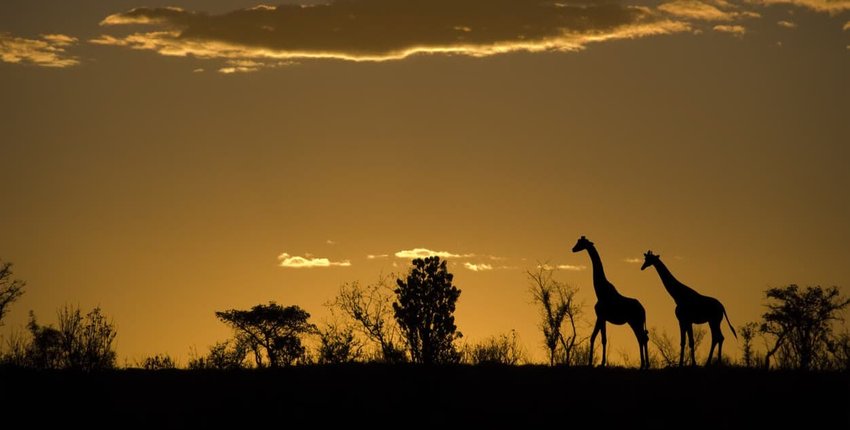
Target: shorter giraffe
[
  {"x": 613, "y": 307},
  {"x": 691, "y": 308}
]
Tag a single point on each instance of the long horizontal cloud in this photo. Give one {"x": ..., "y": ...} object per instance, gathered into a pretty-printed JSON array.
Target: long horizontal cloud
[
  {"x": 832, "y": 7},
  {"x": 378, "y": 30},
  {"x": 297, "y": 262},
  {"x": 47, "y": 51},
  {"x": 424, "y": 253}
]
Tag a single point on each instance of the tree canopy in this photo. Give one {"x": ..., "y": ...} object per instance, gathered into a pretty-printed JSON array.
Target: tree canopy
[
  {"x": 272, "y": 331},
  {"x": 424, "y": 309}
]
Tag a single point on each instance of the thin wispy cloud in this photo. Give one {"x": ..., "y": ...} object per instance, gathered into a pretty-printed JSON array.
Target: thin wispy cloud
[
  {"x": 330, "y": 242},
  {"x": 424, "y": 253},
  {"x": 735, "y": 30},
  {"x": 376, "y": 256},
  {"x": 569, "y": 267},
  {"x": 697, "y": 10},
  {"x": 786, "y": 24},
  {"x": 846, "y": 26},
  {"x": 478, "y": 267},
  {"x": 632, "y": 260},
  {"x": 833, "y": 7},
  {"x": 296, "y": 262},
  {"x": 381, "y": 30},
  {"x": 46, "y": 51}
]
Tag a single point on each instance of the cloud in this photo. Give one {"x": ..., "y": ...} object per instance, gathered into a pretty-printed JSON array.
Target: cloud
[
  {"x": 478, "y": 267},
  {"x": 330, "y": 242},
  {"x": 833, "y": 7},
  {"x": 735, "y": 30},
  {"x": 786, "y": 24},
  {"x": 376, "y": 257},
  {"x": 569, "y": 267},
  {"x": 297, "y": 262},
  {"x": 846, "y": 26},
  {"x": 380, "y": 30},
  {"x": 632, "y": 260},
  {"x": 47, "y": 51},
  {"x": 693, "y": 9},
  {"x": 424, "y": 253}
]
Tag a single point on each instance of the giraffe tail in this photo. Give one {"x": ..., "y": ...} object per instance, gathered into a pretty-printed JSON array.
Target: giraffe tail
[{"x": 730, "y": 324}]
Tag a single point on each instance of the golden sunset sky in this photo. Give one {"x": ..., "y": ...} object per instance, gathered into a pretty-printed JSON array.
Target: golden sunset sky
[{"x": 165, "y": 163}]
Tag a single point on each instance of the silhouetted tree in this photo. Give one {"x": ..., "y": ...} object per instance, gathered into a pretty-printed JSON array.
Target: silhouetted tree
[
  {"x": 501, "y": 349},
  {"x": 10, "y": 289},
  {"x": 748, "y": 354},
  {"x": 424, "y": 309},
  {"x": 338, "y": 345},
  {"x": 370, "y": 308},
  {"x": 272, "y": 331},
  {"x": 80, "y": 342},
  {"x": 800, "y": 324},
  {"x": 227, "y": 355},
  {"x": 557, "y": 308}
]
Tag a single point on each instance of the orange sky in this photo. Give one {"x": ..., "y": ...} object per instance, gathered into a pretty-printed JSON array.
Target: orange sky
[{"x": 157, "y": 163}]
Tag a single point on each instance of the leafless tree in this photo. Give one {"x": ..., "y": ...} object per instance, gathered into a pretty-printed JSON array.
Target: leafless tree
[
  {"x": 558, "y": 308},
  {"x": 10, "y": 289},
  {"x": 369, "y": 308}
]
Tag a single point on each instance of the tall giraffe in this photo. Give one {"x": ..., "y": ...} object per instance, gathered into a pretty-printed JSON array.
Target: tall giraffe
[
  {"x": 613, "y": 307},
  {"x": 691, "y": 308}
]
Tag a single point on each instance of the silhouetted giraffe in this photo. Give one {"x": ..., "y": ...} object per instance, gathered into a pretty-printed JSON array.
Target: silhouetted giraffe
[
  {"x": 691, "y": 308},
  {"x": 613, "y": 307}
]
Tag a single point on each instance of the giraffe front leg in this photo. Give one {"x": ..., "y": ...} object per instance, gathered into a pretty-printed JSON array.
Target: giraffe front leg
[
  {"x": 592, "y": 340},
  {"x": 681, "y": 344},
  {"x": 604, "y": 346}
]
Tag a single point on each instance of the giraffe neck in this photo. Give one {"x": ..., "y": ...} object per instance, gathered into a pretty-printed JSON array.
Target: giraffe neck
[
  {"x": 600, "y": 283},
  {"x": 671, "y": 284}
]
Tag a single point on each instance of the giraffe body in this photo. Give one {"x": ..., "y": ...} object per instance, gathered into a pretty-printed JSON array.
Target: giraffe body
[
  {"x": 613, "y": 307},
  {"x": 691, "y": 308}
]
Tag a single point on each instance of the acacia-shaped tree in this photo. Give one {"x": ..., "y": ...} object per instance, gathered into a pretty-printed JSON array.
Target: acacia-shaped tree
[
  {"x": 272, "y": 331},
  {"x": 800, "y": 324},
  {"x": 424, "y": 309}
]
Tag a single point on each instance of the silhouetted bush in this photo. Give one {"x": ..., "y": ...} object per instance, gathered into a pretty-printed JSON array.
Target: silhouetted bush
[
  {"x": 749, "y": 356},
  {"x": 501, "y": 349},
  {"x": 80, "y": 342},
  {"x": 668, "y": 352},
  {"x": 158, "y": 362},
  {"x": 338, "y": 345},
  {"x": 226, "y": 355},
  {"x": 424, "y": 309}
]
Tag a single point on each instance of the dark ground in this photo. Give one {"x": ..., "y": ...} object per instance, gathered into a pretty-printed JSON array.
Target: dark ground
[{"x": 373, "y": 396}]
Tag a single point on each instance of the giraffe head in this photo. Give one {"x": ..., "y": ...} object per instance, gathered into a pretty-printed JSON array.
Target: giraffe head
[
  {"x": 649, "y": 259},
  {"x": 582, "y": 244}
]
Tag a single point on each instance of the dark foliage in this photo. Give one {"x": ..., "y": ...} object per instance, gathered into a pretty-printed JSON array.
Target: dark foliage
[
  {"x": 424, "y": 310},
  {"x": 799, "y": 322},
  {"x": 273, "y": 332}
]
